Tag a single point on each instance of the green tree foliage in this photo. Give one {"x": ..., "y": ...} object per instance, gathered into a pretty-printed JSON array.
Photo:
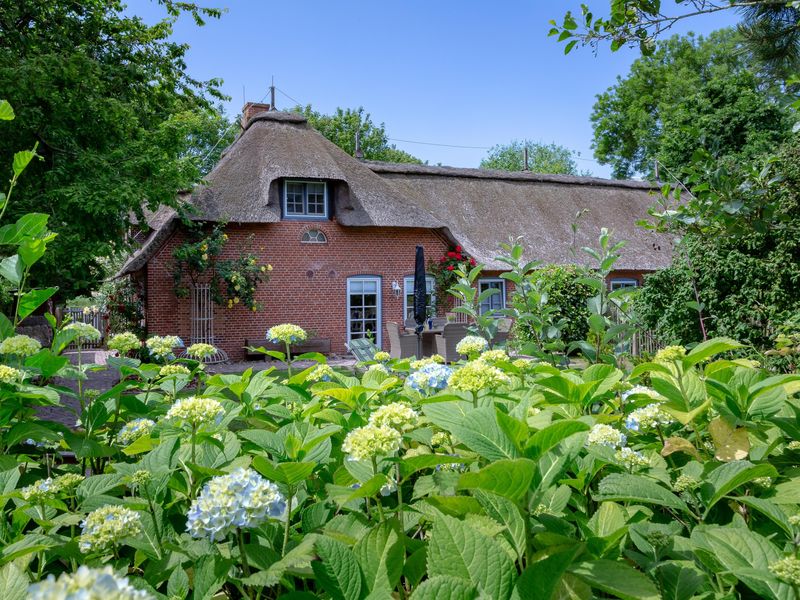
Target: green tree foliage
[
  {"x": 341, "y": 127},
  {"x": 772, "y": 34},
  {"x": 746, "y": 277},
  {"x": 121, "y": 125},
  {"x": 542, "y": 158},
  {"x": 691, "y": 93}
]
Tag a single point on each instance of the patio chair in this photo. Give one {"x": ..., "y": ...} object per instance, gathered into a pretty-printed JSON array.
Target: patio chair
[
  {"x": 400, "y": 345},
  {"x": 447, "y": 341},
  {"x": 363, "y": 349},
  {"x": 439, "y": 322},
  {"x": 410, "y": 323}
]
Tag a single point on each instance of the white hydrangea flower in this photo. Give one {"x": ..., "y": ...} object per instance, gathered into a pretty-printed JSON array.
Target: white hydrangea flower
[
  {"x": 287, "y": 333},
  {"x": 162, "y": 346},
  {"x": 11, "y": 375},
  {"x": 382, "y": 356},
  {"x": 124, "y": 342},
  {"x": 87, "y": 584},
  {"x": 477, "y": 375},
  {"x": 42, "y": 489},
  {"x": 379, "y": 368},
  {"x": 133, "y": 430},
  {"x": 642, "y": 391},
  {"x": 321, "y": 372},
  {"x": 196, "y": 411},
  {"x": 241, "y": 499},
  {"x": 20, "y": 345},
  {"x": 494, "y": 356},
  {"x": 168, "y": 370},
  {"x": 647, "y": 417},
  {"x": 85, "y": 332},
  {"x": 471, "y": 345},
  {"x": 631, "y": 458},
  {"x": 605, "y": 435},
  {"x": 201, "y": 351},
  {"x": 107, "y": 526},
  {"x": 397, "y": 415},
  {"x": 370, "y": 441}
]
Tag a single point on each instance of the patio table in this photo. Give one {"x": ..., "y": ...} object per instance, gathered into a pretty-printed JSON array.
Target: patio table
[{"x": 428, "y": 339}]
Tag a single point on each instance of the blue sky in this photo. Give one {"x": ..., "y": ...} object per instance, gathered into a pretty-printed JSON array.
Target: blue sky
[{"x": 464, "y": 73}]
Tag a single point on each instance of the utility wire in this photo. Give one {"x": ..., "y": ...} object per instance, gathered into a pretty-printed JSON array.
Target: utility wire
[
  {"x": 443, "y": 145},
  {"x": 289, "y": 97},
  {"x": 224, "y": 133}
]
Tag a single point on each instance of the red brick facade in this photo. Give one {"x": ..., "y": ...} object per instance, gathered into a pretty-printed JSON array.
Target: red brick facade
[{"x": 308, "y": 283}]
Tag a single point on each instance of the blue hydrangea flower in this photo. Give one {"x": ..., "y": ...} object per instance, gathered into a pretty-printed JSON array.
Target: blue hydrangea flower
[{"x": 430, "y": 377}]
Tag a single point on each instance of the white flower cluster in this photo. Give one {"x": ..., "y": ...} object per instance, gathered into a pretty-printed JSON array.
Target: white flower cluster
[
  {"x": 107, "y": 526},
  {"x": 471, "y": 345},
  {"x": 605, "y": 435},
  {"x": 241, "y": 499},
  {"x": 494, "y": 356},
  {"x": 196, "y": 411},
  {"x": 124, "y": 342},
  {"x": 201, "y": 351},
  {"x": 20, "y": 345},
  {"x": 162, "y": 346},
  {"x": 631, "y": 458},
  {"x": 371, "y": 441},
  {"x": 11, "y": 375},
  {"x": 379, "y": 368},
  {"x": 647, "y": 417},
  {"x": 321, "y": 372},
  {"x": 432, "y": 376},
  {"x": 435, "y": 359},
  {"x": 168, "y": 370},
  {"x": 44, "y": 488},
  {"x": 286, "y": 333},
  {"x": 477, "y": 375},
  {"x": 641, "y": 390},
  {"x": 86, "y": 584},
  {"x": 397, "y": 415},
  {"x": 84, "y": 331},
  {"x": 133, "y": 430},
  {"x": 382, "y": 356},
  {"x": 787, "y": 569}
]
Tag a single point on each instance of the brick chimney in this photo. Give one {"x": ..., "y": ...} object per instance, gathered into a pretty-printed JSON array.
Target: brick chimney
[{"x": 251, "y": 109}]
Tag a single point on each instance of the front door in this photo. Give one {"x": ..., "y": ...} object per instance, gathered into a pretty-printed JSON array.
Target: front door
[{"x": 364, "y": 308}]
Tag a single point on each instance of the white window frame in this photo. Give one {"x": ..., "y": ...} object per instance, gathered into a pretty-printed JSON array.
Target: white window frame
[
  {"x": 502, "y": 293},
  {"x": 316, "y": 239},
  {"x": 379, "y": 301},
  {"x": 618, "y": 283},
  {"x": 408, "y": 290},
  {"x": 304, "y": 215}
]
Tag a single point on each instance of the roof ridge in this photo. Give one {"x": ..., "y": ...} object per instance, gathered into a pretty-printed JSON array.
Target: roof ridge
[{"x": 477, "y": 173}]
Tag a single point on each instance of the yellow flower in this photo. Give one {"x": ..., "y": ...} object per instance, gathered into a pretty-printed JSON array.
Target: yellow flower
[
  {"x": 225, "y": 236},
  {"x": 236, "y": 300},
  {"x": 204, "y": 247},
  {"x": 230, "y": 303},
  {"x": 254, "y": 308},
  {"x": 269, "y": 267},
  {"x": 205, "y": 257},
  {"x": 263, "y": 268}
]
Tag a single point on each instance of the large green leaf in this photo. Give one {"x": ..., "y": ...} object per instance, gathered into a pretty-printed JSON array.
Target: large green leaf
[
  {"x": 508, "y": 478},
  {"x": 729, "y": 476},
  {"x": 623, "y": 487},
  {"x": 337, "y": 571},
  {"x": 542, "y": 577},
  {"x": 32, "y": 542},
  {"x": 380, "y": 554},
  {"x": 507, "y": 514},
  {"x": 478, "y": 430},
  {"x": 98, "y": 484},
  {"x": 28, "y": 225},
  {"x": 210, "y": 573},
  {"x": 11, "y": 268},
  {"x": 708, "y": 349},
  {"x": 13, "y": 580},
  {"x": 458, "y": 550},
  {"x": 6, "y": 112},
  {"x": 743, "y": 553},
  {"x": 617, "y": 579},
  {"x": 445, "y": 587},
  {"x": 410, "y": 465},
  {"x": 549, "y": 437},
  {"x": 680, "y": 580},
  {"x": 298, "y": 556},
  {"x": 30, "y": 301}
]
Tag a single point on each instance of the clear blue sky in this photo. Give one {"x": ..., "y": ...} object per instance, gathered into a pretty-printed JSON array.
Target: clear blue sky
[{"x": 465, "y": 73}]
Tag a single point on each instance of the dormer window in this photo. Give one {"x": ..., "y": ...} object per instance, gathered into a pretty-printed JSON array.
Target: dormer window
[{"x": 305, "y": 200}]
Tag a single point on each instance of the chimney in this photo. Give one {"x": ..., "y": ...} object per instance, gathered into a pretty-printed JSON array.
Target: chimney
[{"x": 251, "y": 109}]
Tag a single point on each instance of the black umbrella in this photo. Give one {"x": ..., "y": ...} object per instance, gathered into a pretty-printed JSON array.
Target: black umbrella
[{"x": 420, "y": 297}]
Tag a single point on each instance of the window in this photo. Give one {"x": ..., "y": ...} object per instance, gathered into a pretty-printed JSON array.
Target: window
[
  {"x": 314, "y": 236},
  {"x": 620, "y": 283},
  {"x": 408, "y": 294},
  {"x": 305, "y": 200},
  {"x": 495, "y": 301}
]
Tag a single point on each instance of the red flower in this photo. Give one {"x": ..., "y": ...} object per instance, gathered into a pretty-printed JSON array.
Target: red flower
[
  {"x": 451, "y": 255},
  {"x": 472, "y": 262},
  {"x": 450, "y": 267},
  {"x": 458, "y": 249},
  {"x": 459, "y": 257},
  {"x": 443, "y": 259}
]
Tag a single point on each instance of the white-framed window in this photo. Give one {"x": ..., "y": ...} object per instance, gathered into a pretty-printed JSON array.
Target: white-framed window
[
  {"x": 408, "y": 294},
  {"x": 364, "y": 308},
  {"x": 305, "y": 200},
  {"x": 314, "y": 236},
  {"x": 619, "y": 283},
  {"x": 495, "y": 301}
]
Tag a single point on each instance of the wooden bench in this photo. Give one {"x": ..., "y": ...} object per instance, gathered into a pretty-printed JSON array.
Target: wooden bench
[{"x": 321, "y": 345}]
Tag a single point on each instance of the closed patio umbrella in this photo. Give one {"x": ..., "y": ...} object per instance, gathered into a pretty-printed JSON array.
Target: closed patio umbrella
[{"x": 420, "y": 297}]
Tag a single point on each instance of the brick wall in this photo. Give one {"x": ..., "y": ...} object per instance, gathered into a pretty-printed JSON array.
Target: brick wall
[{"x": 308, "y": 282}]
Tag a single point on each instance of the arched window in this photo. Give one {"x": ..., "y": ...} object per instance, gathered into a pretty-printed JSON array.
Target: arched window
[{"x": 314, "y": 236}]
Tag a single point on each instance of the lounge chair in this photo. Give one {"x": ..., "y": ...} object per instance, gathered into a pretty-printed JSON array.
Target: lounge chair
[
  {"x": 447, "y": 341},
  {"x": 401, "y": 345},
  {"x": 363, "y": 349}
]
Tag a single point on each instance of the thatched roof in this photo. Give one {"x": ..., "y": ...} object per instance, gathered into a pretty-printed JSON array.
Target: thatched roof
[
  {"x": 484, "y": 207},
  {"x": 477, "y": 208}
]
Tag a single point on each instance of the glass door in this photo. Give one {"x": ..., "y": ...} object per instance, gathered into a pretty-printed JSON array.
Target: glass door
[{"x": 364, "y": 308}]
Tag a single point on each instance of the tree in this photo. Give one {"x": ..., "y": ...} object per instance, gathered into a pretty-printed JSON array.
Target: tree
[
  {"x": 116, "y": 116},
  {"x": 542, "y": 158},
  {"x": 341, "y": 127},
  {"x": 771, "y": 27},
  {"x": 691, "y": 93}
]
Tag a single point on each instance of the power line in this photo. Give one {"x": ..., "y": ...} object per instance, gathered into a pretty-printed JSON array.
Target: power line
[
  {"x": 289, "y": 97},
  {"x": 227, "y": 129},
  {"x": 443, "y": 145}
]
